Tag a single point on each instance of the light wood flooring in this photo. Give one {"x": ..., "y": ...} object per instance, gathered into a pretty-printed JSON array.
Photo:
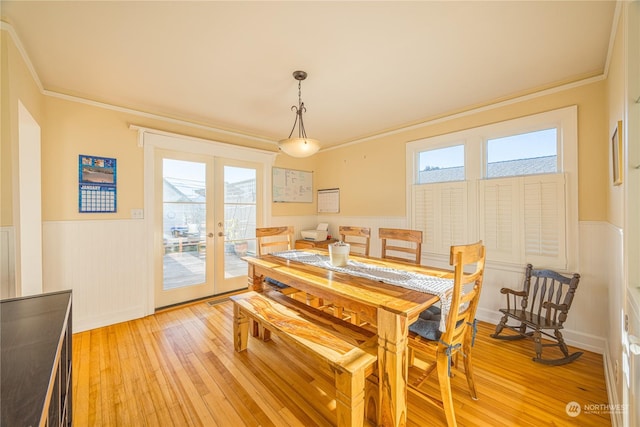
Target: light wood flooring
[{"x": 178, "y": 368}]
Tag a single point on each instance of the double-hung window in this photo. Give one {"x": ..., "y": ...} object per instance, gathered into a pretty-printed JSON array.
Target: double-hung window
[{"x": 512, "y": 184}]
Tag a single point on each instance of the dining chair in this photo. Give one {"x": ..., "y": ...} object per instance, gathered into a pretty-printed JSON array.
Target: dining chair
[
  {"x": 275, "y": 239},
  {"x": 437, "y": 348},
  {"x": 357, "y": 237},
  {"x": 401, "y": 244}
]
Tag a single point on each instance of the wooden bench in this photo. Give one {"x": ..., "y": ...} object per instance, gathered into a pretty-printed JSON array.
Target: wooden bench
[{"x": 349, "y": 351}]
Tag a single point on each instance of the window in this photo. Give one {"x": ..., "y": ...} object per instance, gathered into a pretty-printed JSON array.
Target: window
[
  {"x": 442, "y": 164},
  {"x": 524, "y": 154},
  {"x": 515, "y": 188}
]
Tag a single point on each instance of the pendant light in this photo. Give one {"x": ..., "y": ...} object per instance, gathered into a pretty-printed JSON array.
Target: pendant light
[{"x": 299, "y": 146}]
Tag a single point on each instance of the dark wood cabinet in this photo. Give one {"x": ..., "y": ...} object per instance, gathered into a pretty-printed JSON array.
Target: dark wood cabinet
[
  {"x": 311, "y": 244},
  {"x": 36, "y": 356}
]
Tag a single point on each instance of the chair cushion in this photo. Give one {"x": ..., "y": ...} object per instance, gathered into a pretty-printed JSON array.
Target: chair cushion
[
  {"x": 428, "y": 329},
  {"x": 431, "y": 313},
  {"x": 428, "y": 324},
  {"x": 275, "y": 283}
]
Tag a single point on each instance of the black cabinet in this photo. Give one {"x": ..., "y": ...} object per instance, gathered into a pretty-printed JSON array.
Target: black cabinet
[{"x": 36, "y": 355}]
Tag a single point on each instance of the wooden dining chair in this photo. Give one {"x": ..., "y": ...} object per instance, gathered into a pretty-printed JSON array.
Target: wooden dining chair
[
  {"x": 438, "y": 348},
  {"x": 275, "y": 239},
  {"x": 357, "y": 237},
  {"x": 401, "y": 244}
]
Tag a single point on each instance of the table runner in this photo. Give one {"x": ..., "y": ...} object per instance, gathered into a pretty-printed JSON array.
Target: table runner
[{"x": 406, "y": 279}]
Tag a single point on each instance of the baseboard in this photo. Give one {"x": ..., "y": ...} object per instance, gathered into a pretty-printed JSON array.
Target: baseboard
[
  {"x": 88, "y": 323},
  {"x": 575, "y": 339}
]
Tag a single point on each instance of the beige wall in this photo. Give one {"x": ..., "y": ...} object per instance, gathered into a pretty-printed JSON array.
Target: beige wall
[
  {"x": 615, "y": 103},
  {"x": 16, "y": 85},
  {"x": 371, "y": 174}
]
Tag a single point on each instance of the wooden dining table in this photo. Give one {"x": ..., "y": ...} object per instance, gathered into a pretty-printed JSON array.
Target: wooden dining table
[{"x": 388, "y": 308}]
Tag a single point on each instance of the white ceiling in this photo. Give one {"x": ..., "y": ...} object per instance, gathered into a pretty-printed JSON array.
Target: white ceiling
[{"x": 373, "y": 66}]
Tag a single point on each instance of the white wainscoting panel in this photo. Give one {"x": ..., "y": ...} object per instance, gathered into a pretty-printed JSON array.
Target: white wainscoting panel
[
  {"x": 103, "y": 262},
  {"x": 7, "y": 263}
]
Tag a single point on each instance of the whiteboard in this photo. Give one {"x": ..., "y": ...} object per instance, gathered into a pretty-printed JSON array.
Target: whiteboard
[{"x": 292, "y": 186}]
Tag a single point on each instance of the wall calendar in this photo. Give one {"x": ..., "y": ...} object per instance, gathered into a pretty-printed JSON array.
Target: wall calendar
[{"x": 97, "y": 181}]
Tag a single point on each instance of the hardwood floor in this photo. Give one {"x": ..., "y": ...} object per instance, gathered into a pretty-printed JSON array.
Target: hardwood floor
[{"x": 178, "y": 367}]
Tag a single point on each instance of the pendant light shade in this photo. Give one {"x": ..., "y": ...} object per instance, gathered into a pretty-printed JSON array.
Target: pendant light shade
[{"x": 299, "y": 146}]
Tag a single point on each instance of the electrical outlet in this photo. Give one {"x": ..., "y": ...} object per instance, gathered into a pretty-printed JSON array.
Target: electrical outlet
[{"x": 137, "y": 213}]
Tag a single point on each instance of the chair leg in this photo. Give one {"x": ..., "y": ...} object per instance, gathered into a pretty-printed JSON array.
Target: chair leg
[
  {"x": 500, "y": 326},
  {"x": 537, "y": 341},
  {"x": 445, "y": 389},
  {"x": 568, "y": 358},
  {"x": 468, "y": 370},
  {"x": 561, "y": 343}
]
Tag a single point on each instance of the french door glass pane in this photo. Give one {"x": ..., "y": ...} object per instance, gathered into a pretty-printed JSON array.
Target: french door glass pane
[
  {"x": 239, "y": 217},
  {"x": 183, "y": 223}
]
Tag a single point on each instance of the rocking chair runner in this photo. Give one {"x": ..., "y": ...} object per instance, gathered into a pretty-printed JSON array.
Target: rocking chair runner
[{"x": 545, "y": 302}]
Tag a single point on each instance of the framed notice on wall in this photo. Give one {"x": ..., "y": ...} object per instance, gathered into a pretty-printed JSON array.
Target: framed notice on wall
[
  {"x": 290, "y": 185},
  {"x": 329, "y": 200},
  {"x": 97, "y": 181}
]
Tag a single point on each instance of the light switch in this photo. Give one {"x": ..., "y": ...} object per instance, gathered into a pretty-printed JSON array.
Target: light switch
[{"x": 137, "y": 213}]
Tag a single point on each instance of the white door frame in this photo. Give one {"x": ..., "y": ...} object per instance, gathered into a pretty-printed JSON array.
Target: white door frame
[{"x": 152, "y": 139}]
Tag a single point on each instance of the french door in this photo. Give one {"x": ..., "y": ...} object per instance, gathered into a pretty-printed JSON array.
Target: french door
[{"x": 205, "y": 220}]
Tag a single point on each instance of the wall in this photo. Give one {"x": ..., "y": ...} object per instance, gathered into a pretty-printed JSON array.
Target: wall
[
  {"x": 17, "y": 84},
  {"x": 615, "y": 216}
]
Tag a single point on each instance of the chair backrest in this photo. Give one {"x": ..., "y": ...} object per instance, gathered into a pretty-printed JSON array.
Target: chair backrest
[
  {"x": 465, "y": 293},
  {"x": 408, "y": 253},
  {"x": 549, "y": 294},
  {"x": 357, "y": 237},
  {"x": 273, "y": 239}
]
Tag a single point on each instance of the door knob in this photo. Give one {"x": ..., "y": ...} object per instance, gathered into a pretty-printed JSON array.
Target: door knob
[
  {"x": 220, "y": 233},
  {"x": 210, "y": 235}
]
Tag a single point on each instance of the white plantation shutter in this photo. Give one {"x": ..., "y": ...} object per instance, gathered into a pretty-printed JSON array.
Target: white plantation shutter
[
  {"x": 499, "y": 212},
  {"x": 522, "y": 219},
  {"x": 544, "y": 220},
  {"x": 425, "y": 214},
  {"x": 440, "y": 211}
]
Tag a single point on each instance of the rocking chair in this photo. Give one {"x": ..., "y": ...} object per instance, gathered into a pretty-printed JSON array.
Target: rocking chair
[{"x": 545, "y": 302}]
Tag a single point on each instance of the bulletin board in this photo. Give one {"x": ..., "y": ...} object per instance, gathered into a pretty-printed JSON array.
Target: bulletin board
[{"x": 292, "y": 186}]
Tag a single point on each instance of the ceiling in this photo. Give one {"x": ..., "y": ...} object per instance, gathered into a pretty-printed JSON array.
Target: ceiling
[{"x": 372, "y": 67}]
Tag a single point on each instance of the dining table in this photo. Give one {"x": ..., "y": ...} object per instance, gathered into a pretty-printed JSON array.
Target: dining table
[{"x": 387, "y": 308}]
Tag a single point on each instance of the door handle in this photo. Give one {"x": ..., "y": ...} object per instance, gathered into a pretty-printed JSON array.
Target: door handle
[
  {"x": 210, "y": 235},
  {"x": 220, "y": 233},
  {"x": 634, "y": 345}
]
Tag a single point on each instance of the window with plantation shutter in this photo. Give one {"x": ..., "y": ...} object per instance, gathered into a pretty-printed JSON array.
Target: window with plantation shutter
[
  {"x": 511, "y": 184},
  {"x": 522, "y": 219}
]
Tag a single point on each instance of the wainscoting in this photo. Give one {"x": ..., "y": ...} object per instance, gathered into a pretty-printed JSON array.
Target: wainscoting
[{"x": 104, "y": 262}]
